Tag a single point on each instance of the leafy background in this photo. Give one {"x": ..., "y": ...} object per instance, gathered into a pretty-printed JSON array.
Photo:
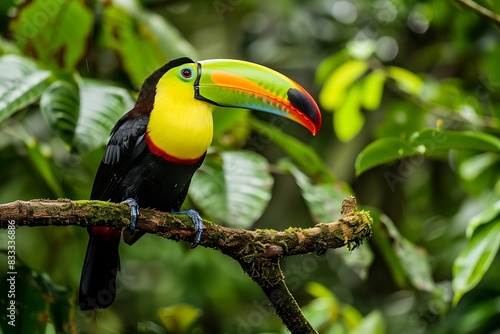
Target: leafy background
[{"x": 410, "y": 98}]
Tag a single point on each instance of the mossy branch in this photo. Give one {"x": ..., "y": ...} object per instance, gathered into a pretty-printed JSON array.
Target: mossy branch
[{"x": 258, "y": 252}]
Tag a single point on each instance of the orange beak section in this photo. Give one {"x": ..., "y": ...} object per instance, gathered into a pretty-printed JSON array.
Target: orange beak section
[{"x": 240, "y": 84}]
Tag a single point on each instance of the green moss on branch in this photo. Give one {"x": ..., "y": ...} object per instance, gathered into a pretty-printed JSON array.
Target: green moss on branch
[{"x": 258, "y": 252}]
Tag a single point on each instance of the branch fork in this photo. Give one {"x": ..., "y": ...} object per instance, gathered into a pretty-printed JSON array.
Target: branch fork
[{"x": 258, "y": 252}]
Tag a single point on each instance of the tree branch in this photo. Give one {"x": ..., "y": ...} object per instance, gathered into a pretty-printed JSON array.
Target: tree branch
[
  {"x": 485, "y": 12},
  {"x": 258, "y": 252}
]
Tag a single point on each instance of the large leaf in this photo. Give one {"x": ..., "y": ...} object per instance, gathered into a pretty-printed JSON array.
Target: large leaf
[
  {"x": 401, "y": 255},
  {"x": 55, "y": 31},
  {"x": 488, "y": 215},
  {"x": 301, "y": 153},
  {"x": 21, "y": 83},
  {"x": 40, "y": 157},
  {"x": 60, "y": 106},
  {"x": 412, "y": 258},
  {"x": 348, "y": 119},
  {"x": 382, "y": 151},
  {"x": 382, "y": 240},
  {"x": 329, "y": 64},
  {"x": 439, "y": 140},
  {"x": 100, "y": 107},
  {"x": 234, "y": 188},
  {"x": 324, "y": 309},
  {"x": 324, "y": 202},
  {"x": 473, "y": 262},
  {"x": 427, "y": 141},
  {"x": 373, "y": 89},
  {"x": 334, "y": 91},
  {"x": 406, "y": 81},
  {"x": 44, "y": 166},
  {"x": 144, "y": 40},
  {"x": 83, "y": 112},
  {"x": 477, "y": 171}
]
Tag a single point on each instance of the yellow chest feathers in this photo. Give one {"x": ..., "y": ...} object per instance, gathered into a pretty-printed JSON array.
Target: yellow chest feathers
[{"x": 180, "y": 125}]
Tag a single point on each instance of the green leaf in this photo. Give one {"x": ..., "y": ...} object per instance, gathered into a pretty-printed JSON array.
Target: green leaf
[
  {"x": 475, "y": 166},
  {"x": 402, "y": 255},
  {"x": 235, "y": 189},
  {"x": 301, "y": 153},
  {"x": 324, "y": 309},
  {"x": 144, "y": 40},
  {"x": 477, "y": 171},
  {"x": 43, "y": 164},
  {"x": 416, "y": 264},
  {"x": 383, "y": 151},
  {"x": 487, "y": 216},
  {"x": 179, "y": 318},
  {"x": 373, "y": 323},
  {"x": 373, "y": 89},
  {"x": 428, "y": 141},
  {"x": 358, "y": 261},
  {"x": 321, "y": 199},
  {"x": 55, "y": 32},
  {"x": 348, "y": 119},
  {"x": 474, "y": 261},
  {"x": 329, "y": 64},
  {"x": 41, "y": 158},
  {"x": 406, "y": 81},
  {"x": 101, "y": 105},
  {"x": 350, "y": 316},
  {"x": 381, "y": 238},
  {"x": 435, "y": 140},
  {"x": 83, "y": 113},
  {"x": 318, "y": 290},
  {"x": 21, "y": 83},
  {"x": 334, "y": 91},
  {"x": 60, "y": 106}
]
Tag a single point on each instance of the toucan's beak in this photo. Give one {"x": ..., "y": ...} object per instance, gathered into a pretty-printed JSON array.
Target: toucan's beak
[{"x": 240, "y": 84}]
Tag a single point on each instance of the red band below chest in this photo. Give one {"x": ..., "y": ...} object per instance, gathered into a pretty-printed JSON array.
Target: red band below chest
[{"x": 164, "y": 155}]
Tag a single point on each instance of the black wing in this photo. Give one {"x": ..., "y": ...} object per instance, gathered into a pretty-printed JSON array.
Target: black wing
[{"x": 127, "y": 142}]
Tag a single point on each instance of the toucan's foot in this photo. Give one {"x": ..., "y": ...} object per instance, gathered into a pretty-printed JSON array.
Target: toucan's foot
[
  {"x": 134, "y": 211},
  {"x": 198, "y": 225}
]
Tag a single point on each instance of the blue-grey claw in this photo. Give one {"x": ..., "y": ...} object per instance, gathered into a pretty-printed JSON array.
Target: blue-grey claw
[
  {"x": 198, "y": 225},
  {"x": 134, "y": 211}
]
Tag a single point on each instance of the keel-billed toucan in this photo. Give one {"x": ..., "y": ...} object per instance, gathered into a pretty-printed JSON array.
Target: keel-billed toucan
[{"x": 156, "y": 147}]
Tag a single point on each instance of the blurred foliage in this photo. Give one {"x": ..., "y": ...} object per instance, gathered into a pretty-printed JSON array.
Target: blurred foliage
[{"x": 412, "y": 91}]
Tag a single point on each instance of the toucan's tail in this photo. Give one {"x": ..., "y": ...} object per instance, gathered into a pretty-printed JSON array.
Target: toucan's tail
[{"x": 102, "y": 263}]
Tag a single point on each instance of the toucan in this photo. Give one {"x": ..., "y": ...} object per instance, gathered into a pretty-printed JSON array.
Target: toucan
[{"x": 156, "y": 147}]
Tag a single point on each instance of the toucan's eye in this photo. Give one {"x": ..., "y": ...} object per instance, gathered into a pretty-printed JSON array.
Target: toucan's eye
[{"x": 186, "y": 73}]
